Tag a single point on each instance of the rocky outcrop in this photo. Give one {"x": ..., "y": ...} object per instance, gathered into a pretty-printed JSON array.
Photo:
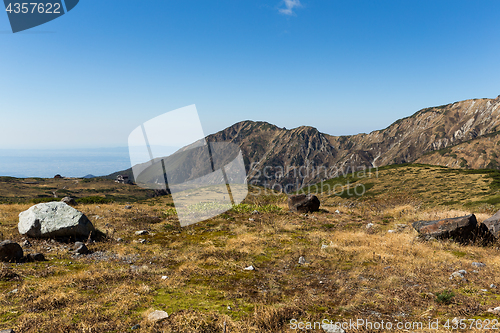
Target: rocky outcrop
[
  {"x": 493, "y": 225},
  {"x": 10, "y": 251},
  {"x": 303, "y": 203},
  {"x": 54, "y": 219},
  {"x": 462, "y": 229}
]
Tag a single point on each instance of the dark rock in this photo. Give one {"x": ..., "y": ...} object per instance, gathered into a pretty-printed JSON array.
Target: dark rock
[
  {"x": 303, "y": 203},
  {"x": 39, "y": 257},
  {"x": 159, "y": 193},
  {"x": 80, "y": 248},
  {"x": 462, "y": 229},
  {"x": 493, "y": 225},
  {"x": 69, "y": 201},
  {"x": 135, "y": 327},
  {"x": 35, "y": 257},
  {"x": 10, "y": 251},
  {"x": 128, "y": 207}
]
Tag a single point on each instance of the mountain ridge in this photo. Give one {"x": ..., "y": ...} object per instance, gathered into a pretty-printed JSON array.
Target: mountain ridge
[{"x": 273, "y": 154}]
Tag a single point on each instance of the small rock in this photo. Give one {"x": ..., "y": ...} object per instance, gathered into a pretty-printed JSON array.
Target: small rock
[
  {"x": 303, "y": 203},
  {"x": 157, "y": 316},
  {"x": 128, "y": 207},
  {"x": 332, "y": 328},
  {"x": 80, "y": 248},
  {"x": 12, "y": 292},
  {"x": 39, "y": 257},
  {"x": 229, "y": 308},
  {"x": 484, "y": 290},
  {"x": 135, "y": 327},
  {"x": 462, "y": 271},
  {"x": 494, "y": 310},
  {"x": 164, "y": 277},
  {"x": 119, "y": 240},
  {"x": 337, "y": 211},
  {"x": 10, "y": 251},
  {"x": 324, "y": 246},
  {"x": 141, "y": 240},
  {"x": 302, "y": 260},
  {"x": 26, "y": 243},
  {"x": 388, "y": 267},
  {"x": 35, "y": 257},
  {"x": 255, "y": 212},
  {"x": 69, "y": 201},
  {"x": 475, "y": 272},
  {"x": 141, "y": 232},
  {"x": 391, "y": 231},
  {"x": 251, "y": 219},
  {"x": 369, "y": 225},
  {"x": 492, "y": 286},
  {"x": 478, "y": 264},
  {"x": 457, "y": 275},
  {"x": 249, "y": 268}
]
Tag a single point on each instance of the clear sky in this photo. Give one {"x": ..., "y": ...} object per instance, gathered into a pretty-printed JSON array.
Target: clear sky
[{"x": 88, "y": 78}]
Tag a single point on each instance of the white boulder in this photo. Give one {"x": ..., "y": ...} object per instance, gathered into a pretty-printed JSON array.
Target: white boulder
[{"x": 54, "y": 219}]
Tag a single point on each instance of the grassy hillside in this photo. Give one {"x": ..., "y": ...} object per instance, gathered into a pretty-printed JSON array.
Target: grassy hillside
[
  {"x": 424, "y": 185},
  {"x": 351, "y": 271},
  {"x": 34, "y": 190},
  {"x": 480, "y": 153}
]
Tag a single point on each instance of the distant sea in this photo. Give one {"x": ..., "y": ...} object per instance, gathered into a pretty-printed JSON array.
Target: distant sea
[{"x": 45, "y": 163}]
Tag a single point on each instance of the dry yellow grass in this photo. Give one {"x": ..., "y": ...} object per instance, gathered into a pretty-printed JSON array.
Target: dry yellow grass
[{"x": 351, "y": 272}]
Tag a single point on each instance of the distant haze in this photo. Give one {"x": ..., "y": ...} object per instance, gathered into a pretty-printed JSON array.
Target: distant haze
[{"x": 47, "y": 163}]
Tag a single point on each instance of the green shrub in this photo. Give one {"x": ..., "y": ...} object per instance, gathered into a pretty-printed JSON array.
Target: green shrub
[
  {"x": 444, "y": 151},
  {"x": 40, "y": 200},
  {"x": 93, "y": 200},
  {"x": 445, "y": 297}
]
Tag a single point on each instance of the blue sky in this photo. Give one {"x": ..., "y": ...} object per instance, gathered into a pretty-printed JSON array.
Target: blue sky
[{"x": 88, "y": 78}]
